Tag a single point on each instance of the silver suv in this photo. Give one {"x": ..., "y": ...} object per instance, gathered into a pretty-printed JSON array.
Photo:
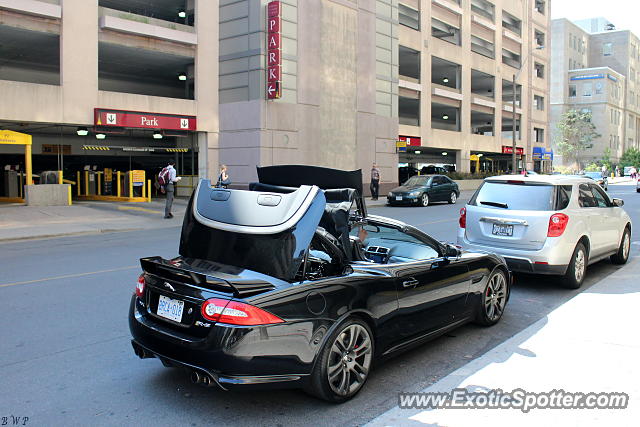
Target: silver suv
[{"x": 546, "y": 224}]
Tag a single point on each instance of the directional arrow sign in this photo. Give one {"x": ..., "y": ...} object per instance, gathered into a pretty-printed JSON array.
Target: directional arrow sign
[
  {"x": 111, "y": 118},
  {"x": 273, "y": 90},
  {"x": 184, "y": 123}
]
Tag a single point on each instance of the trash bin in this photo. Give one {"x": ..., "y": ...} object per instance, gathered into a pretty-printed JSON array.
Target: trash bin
[{"x": 10, "y": 184}]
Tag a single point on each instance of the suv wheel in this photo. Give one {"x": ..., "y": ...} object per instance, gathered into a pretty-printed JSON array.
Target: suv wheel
[
  {"x": 344, "y": 362},
  {"x": 424, "y": 199},
  {"x": 577, "y": 268},
  {"x": 453, "y": 198},
  {"x": 622, "y": 255},
  {"x": 494, "y": 299}
]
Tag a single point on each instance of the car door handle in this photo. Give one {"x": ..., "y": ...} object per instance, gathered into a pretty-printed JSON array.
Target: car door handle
[{"x": 410, "y": 283}]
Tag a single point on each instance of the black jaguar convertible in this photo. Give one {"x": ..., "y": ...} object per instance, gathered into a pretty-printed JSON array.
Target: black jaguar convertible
[{"x": 292, "y": 284}]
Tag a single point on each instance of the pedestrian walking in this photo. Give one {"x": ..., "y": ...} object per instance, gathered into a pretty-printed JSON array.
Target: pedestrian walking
[
  {"x": 223, "y": 177},
  {"x": 617, "y": 171},
  {"x": 375, "y": 181},
  {"x": 167, "y": 179}
]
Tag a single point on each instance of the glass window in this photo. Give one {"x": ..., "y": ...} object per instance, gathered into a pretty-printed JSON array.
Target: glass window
[
  {"x": 514, "y": 195},
  {"x": 587, "y": 89},
  {"x": 607, "y": 49},
  {"x": 539, "y": 5},
  {"x": 403, "y": 247},
  {"x": 572, "y": 91},
  {"x": 408, "y": 16},
  {"x": 538, "y": 102},
  {"x": 601, "y": 198},
  {"x": 563, "y": 196},
  {"x": 585, "y": 197}
]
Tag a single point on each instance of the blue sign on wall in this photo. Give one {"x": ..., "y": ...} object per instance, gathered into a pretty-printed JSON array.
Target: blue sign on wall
[{"x": 588, "y": 77}]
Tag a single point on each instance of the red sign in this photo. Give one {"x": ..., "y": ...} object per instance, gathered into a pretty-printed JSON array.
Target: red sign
[
  {"x": 508, "y": 149},
  {"x": 274, "y": 54},
  {"x": 412, "y": 141},
  {"x": 136, "y": 119},
  {"x": 273, "y": 90}
]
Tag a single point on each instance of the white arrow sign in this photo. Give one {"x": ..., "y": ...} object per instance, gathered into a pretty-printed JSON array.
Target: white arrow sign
[
  {"x": 270, "y": 90},
  {"x": 111, "y": 118},
  {"x": 184, "y": 123}
]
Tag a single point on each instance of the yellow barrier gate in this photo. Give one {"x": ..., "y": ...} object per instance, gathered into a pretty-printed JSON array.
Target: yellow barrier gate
[
  {"x": 136, "y": 189},
  {"x": 17, "y": 138}
]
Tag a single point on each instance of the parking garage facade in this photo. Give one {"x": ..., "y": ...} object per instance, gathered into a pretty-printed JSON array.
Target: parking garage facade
[
  {"x": 457, "y": 61},
  {"x": 70, "y": 65}
]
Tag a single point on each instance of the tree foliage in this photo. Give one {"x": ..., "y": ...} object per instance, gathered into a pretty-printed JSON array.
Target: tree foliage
[
  {"x": 631, "y": 157},
  {"x": 576, "y": 133}
]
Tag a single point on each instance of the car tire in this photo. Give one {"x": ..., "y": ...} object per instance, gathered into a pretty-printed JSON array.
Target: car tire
[
  {"x": 494, "y": 299},
  {"x": 637, "y": 190},
  {"x": 622, "y": 255},
  {"x": 577, "y": 269},
  {"x": 424, "y": 200},
  {"x": 453, "y": 198},
  {"x": 343, "y": 365}
]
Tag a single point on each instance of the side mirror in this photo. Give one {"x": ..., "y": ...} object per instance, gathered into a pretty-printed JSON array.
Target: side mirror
[
  {"x": 451, "y": 251},
  {"x": 618, "y": 202}
]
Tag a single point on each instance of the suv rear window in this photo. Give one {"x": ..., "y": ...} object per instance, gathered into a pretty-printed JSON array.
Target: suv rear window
[{"x": 518, "y": 195}]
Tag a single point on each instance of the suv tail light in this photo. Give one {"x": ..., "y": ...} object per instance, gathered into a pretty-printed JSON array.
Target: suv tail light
[
  {"x": 463, "y": 218},
  {"x": 236, "y": 313},
  {"x": 557, "y": 224},
  {"x": 140, "y": 286}
]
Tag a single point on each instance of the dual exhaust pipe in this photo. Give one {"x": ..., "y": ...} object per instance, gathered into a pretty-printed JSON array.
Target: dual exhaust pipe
[{"x": 205, "y": 379}]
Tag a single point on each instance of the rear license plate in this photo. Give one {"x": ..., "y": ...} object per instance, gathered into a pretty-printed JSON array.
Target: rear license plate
[
  {"x": 502, "y": 230},
  {"x": 398, "y": 197},
  {"x": 170, "y": 308}
]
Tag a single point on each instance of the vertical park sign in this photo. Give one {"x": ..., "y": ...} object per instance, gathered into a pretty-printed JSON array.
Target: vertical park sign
[{"x": 274, "y": 50}]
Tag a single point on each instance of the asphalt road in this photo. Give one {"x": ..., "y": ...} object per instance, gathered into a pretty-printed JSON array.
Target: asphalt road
[{"x": 66, "y": 358}]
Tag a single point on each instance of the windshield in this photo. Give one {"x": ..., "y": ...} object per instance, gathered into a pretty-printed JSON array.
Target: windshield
[
  {"x": 514, "y": 195},
  {"x": 594, "y": 175},
  {"x": 415, "y": 181}
]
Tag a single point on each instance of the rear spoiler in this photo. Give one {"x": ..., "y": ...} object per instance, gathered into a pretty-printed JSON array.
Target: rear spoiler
[{"x": 180, "y": 272}]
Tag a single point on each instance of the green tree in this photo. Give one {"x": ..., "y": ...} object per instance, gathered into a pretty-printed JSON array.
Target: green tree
[
  {"x": 576, "y": 134},
  {"x": 631, "y": 157},
  {"x": 606, "y": 158}
]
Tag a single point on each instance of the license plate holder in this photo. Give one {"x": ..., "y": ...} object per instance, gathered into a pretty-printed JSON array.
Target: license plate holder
[
  {"x": 170, "y": 308},
  {"x": 502, "y": 230}
]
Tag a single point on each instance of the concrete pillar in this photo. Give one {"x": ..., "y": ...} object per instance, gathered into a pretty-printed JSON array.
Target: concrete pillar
[
  {"x": 79, "y": 60},
  {"x": 206, "y": 86},
  {"x": 462, "y": 161}
]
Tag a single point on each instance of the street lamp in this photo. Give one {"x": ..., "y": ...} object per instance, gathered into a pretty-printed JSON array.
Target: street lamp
[{"x": 514, "y": 157}]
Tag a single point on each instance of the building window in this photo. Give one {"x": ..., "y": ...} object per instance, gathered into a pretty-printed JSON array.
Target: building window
[
  {"x": 539, "y": 69},
  {"x": 539, "y": 134},
  {"x": 409, "y": 16},
  {"x": 511, "y": 23},
  {"x": 631, "y": 121},
  {"x": 538, "y": 102},
  {"x": 539, "y": 6},
  {"x": 539, "y": 36},
  {"x": 445, "y": 117},
  {"x": 598, "y": 88},
  {"x": 409, "y": 111},
  {"x": 482, "y": 123},
  {"x": 483, "y": 8},
  {"x": 482, "y": 84},
  {"x": 607, "y": 49},
  {"x": 632, "y": 98},
  {"x": 510, "y": 58},
  {"x": 482, "y": 47},
  {"x": 446, "y": 32},
  {"x": 409, "y": 60},
  {"x": 587, "y": 89},
  {"x": 445, "y": 73},
  {"x": 572, "y": 91}
]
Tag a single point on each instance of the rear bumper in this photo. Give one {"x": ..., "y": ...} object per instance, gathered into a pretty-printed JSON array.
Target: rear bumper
[
  {"x": 271, "y": 356},
  {"x": 552, "y": 259}
]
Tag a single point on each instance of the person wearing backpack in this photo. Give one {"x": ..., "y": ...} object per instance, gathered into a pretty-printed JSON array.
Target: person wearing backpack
[
  {"x": 167, "y": 179},
  {"x": 223, "y": 178}
]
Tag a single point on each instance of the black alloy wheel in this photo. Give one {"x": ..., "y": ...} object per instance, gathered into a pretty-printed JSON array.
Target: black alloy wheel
[
  {"x": 494, "y": 299},
  {"x": 344, "y": 363}
]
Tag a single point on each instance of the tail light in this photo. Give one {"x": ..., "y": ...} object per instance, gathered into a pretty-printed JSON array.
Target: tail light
[
  {"x": 463, "y": 218},
  {"x": 236, "y": 313},
  {"x": 557, "y": 224},
  {"x": 140, "y": 286}
]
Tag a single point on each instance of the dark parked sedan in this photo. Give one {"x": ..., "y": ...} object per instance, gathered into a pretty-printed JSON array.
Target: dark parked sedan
[
  {"x": 424, "y": 189},
  {"x": 289, "y": 284}
]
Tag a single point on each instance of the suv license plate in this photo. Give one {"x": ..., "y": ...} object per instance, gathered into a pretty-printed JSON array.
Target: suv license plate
[
  {"x": 170, "y": 308},
  {"x": 502, "y": 230},
  {"x": 398, "y": 197}
]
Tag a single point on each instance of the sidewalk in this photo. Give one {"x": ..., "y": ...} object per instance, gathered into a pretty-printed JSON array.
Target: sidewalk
[
  {"x": 589, "y": 344},
  {"x": 19, "y": 222}
]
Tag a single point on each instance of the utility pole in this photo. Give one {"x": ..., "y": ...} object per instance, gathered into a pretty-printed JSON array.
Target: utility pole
[{"x": 514, "y": 157}]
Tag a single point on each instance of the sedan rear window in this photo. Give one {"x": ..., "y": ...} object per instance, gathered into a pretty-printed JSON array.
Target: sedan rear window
[{"x": 520, "y": 195}]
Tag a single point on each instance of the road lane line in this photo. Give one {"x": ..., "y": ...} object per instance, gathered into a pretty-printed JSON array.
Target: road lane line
[{"x": 69, "y": 276}]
